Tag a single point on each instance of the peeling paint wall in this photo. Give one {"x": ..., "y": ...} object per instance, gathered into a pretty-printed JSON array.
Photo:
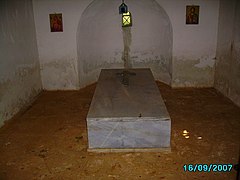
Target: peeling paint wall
[
  {"x": 58, "y": 50},
  {"x": 227, "y": 76},
  {"x": 194, "y": 46},
  {"x": 19, "y": 64},
  {"x": 100, "y": 39}
]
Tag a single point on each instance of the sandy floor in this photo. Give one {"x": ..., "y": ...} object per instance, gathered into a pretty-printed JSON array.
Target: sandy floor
[{"x": 49, "y": 140}]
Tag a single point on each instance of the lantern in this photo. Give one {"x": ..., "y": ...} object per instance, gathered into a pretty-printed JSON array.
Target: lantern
[{"x": 126, "y": 19}]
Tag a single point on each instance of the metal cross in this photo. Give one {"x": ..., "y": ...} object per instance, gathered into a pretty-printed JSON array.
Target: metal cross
[{"x": 125, "y": 77}]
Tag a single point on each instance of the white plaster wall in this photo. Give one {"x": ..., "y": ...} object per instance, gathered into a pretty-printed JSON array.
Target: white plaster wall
[
  {"x": 234, "y": 88},
  {"x": 19, "y": 64},
  {"x": 194, "y": 46},
  {"x": 100, "y": 39},
  {"x": 58, "y": 51},
  {"x": 227, "y": 76}
]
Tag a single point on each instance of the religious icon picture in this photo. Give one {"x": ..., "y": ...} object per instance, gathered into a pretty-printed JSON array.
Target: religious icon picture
[
  {"x": 192, "y": 14},
  {"x": 56, "y": 22}
]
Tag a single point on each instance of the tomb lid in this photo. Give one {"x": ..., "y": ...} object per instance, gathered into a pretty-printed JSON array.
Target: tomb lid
[{"x": 139, "y": 100}]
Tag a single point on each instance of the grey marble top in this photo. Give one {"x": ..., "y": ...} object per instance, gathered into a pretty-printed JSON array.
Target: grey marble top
[{"x": 140, "y": 100}]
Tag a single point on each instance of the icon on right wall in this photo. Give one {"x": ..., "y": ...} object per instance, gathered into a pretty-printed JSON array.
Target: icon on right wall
[{"x": 192, "y": 14}]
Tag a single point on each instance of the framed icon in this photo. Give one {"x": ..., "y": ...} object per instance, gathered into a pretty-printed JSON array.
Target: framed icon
[
  {"x": 192, "y": 14},
  {"x": 56, "y": 22}
]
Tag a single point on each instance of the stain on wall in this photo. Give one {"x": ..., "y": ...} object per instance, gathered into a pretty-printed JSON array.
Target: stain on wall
[
  {"x": 20, "y": 79},
  {"x": 59, "y": 74},
  {"x": 193, "y": 73},
  {"x": 227, "y": 75},
  {"x": 127, "y": 40}
]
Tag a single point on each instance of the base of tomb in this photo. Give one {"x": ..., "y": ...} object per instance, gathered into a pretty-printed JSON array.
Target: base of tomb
[
  {"x": 102, "y": 150},
  {"x": 128, "y": 117}
]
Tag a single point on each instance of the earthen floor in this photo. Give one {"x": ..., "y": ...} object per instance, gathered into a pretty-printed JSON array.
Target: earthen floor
[{"x": 49, "y": 139}]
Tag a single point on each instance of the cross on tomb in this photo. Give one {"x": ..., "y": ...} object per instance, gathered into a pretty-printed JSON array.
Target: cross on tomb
[{"x": 125, "y": 77}]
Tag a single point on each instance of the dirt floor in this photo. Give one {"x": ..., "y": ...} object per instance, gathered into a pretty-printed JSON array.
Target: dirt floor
[{"x": 49, "y": 140}]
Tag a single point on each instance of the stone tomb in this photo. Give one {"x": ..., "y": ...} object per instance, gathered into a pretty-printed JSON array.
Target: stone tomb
[{"x": 127, "y": 113}]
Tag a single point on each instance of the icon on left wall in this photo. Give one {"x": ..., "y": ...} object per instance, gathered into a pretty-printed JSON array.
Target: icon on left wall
[{"x": 56, "y": 22}]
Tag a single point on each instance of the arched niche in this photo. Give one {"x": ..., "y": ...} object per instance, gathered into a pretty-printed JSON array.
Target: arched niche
[{"x": 100, "y": 41}]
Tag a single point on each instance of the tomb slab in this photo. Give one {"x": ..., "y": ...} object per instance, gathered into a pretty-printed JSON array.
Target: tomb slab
[{"x": 127, "y": 116}]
